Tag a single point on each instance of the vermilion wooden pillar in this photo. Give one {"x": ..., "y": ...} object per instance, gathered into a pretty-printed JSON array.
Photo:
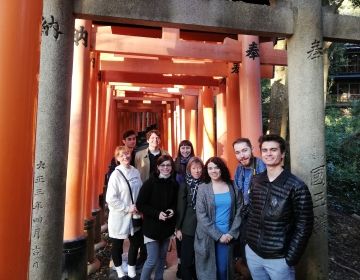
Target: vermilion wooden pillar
[
  {"x": 91, "y": 138},
  {"x": 200, "y": 126},
  {"x": 250, "y": 93},
  {"x": 106, "y": 90},
  {"x": 233, "y": 113},
  {"x": 221, "y": 123},
  {"x": 75, "y": 181},
  {"x": 164, "y": 131},
  {"x": 96, "y": 177},
  {"x": 182, "y": 119},
  {"x": 19, "y": 56},
  {"x": 90, "y": 214},
  {"x": 169, "y": 128},
  {"x": 190, "y": 107},
  {"x": 208, "y": 127}
]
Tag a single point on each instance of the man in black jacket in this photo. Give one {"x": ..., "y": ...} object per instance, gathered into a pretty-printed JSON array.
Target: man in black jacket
[{"x": 281, "y": 216}]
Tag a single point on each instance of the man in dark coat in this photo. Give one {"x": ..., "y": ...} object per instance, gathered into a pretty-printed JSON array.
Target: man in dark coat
[{"x": 281, "y": 216}]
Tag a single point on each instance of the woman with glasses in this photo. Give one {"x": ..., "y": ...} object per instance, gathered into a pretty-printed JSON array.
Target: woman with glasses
[
  {"x": 186, "y": 216},
  {"x": 157, "y": 201},
  {"x": 218, "y": 221},
  {"x": 121, "y": 211}
]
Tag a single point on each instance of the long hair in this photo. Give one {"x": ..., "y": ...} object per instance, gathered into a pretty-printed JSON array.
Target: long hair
[
  {"x": 224, "y": 171},
  {"x": 186, "y": 143}
]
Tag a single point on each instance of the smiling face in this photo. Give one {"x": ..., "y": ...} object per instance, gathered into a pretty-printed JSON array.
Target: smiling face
[
  {"x": 214, "y": 171},
  {"x": 185, "y": 151},
  {"x": 196, "y": 170},
  {"x": 271, "y": 154},
  {"x": 154, "y": 142},
  {"x": 243, "y": 153},
  {"x": 165, "y": 168},
  {"x": 124, "y": 157}
]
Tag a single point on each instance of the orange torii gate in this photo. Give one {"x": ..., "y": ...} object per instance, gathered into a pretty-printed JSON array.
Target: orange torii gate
[{"x": 305, "y": 24}]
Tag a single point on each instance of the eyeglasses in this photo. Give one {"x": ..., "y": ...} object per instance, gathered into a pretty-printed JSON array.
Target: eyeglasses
[{"x": 165, "y": 165}]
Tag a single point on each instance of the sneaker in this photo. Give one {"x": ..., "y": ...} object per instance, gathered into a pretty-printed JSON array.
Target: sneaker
[{"x": 120, "y": 273}]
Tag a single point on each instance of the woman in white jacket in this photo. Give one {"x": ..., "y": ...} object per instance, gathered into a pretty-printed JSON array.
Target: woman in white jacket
[{"x": 122, "y": 210}]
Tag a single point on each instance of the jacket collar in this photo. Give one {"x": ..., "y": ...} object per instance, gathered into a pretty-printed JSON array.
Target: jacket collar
[{"x": 280, "y": 180}]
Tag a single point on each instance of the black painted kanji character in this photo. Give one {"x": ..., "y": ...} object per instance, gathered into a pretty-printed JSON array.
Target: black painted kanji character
[
  {"x": 315, "y": 50},
  {"x": 253, "y": 51},
  {"x": 52, "y": 24},
  {"x": 79, "y": 35},
  {"x": 235, "y": 68}
]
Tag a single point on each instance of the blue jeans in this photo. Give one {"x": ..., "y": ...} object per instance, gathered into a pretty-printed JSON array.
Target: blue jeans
[
  {"x": 156, "y": 257},
  {"x": 265, "y": 269},
  {"x": 222, "y": 256}
]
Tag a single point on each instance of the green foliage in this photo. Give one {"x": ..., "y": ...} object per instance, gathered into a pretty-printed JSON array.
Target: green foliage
[
  {"x": 265, "y": 98},
  {"x": 342, "y": 128},
  {"x": 337, "y": 57}
]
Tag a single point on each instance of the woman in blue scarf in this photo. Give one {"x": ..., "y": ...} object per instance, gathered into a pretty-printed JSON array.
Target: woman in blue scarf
[{"x": 186, "y": 218}]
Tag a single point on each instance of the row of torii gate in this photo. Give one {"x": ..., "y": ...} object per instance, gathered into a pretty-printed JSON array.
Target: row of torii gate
[{"x": 64, "y": 105}]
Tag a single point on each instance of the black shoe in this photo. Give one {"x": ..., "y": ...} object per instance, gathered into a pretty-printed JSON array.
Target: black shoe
[{"x": 178, "y": 272}]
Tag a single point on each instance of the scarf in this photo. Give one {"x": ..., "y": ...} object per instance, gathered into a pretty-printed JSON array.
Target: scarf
[{"x": 193, "y": 185}]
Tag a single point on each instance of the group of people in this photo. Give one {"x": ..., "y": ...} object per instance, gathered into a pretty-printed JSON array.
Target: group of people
[{"x": 264, "y": 217}]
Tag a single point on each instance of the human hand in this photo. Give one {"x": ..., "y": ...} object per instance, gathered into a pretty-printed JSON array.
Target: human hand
[
  {"x": 179, "y": 234},
  {"x": 162, "y": 216},
  {"x": 132, "y": 209},
  {"x": 223, "y": 239},
  {"x": 229, "y": 237}
]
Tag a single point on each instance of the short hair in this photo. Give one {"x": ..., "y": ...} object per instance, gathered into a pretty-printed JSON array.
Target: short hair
[
  {"x": 128, "y": 133},
  {"x": 148, "y": 134},
  {"x": 162, "y": 159},
  {"x": 120, "y": 149},
  {"x": 275, "y": 138},
  {"x": 186, "y": 143},
  {"x": 192, "y": 161},
  {"x": 224, "y": 170},
  {"x": 242, "y": 140}
]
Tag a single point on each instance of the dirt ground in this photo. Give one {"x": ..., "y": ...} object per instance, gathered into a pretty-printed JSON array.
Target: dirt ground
[{"x": 344, "y": 245}]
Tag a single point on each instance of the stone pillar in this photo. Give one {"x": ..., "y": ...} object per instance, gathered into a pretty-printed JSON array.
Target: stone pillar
[
  {"x": 208, "y": 127},
  {"x": 19, "y": 68},
  {"x": 221, "y": 124},
  {"x": 191, "y": 120},
  {"x": 233, "y": 113},
  {"x": 51, "y": 139},
  {"x": 250, "y": 90},
  {"x": 75, "y": 255},
  {"x": 307, "y": 140}
]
